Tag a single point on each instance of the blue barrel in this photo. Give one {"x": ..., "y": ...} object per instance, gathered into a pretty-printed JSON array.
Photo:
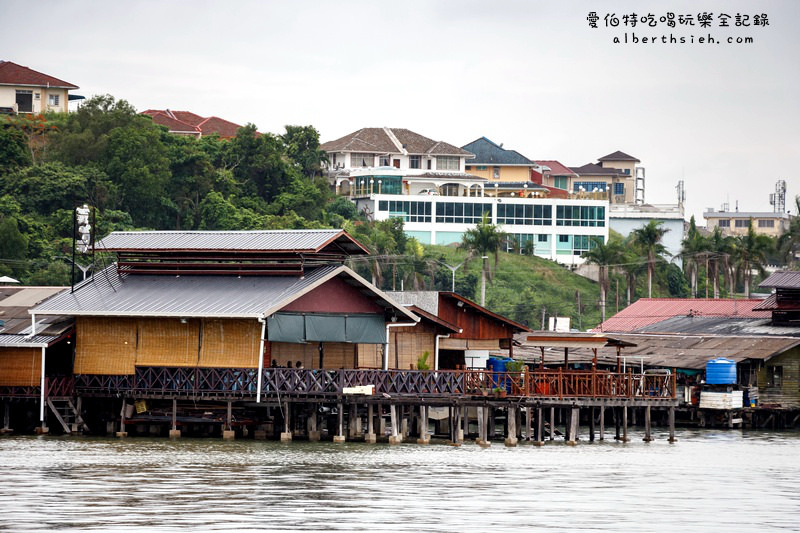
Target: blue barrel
[
  {"x": 720, "y": 371},
  {"x": 500, "y": 365}
]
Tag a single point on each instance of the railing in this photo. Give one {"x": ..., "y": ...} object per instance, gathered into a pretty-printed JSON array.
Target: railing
[
  {"x": 59, "y": 387},
  {"x": 243, "y": 382},
  {"x": 19, "y": 391}
]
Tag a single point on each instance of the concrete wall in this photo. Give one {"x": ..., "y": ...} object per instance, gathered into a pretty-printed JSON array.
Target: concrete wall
[
  {"x": 507, "y": 173},
  {"x": 8, "y": 97}
]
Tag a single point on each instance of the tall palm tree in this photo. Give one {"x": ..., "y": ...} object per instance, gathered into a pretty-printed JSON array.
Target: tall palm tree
[
  {"x": 789, "y": 242},
  {"x": 605, "y": 256},
  {"x": 694, "y": 251},
  {"x": 483, "y": 240},
  {"x": 631, "y": 265},
  {"x": 648, "y": 238},
  {"x": 751, "y": 254},
  {"x": 720, "y": 248}
]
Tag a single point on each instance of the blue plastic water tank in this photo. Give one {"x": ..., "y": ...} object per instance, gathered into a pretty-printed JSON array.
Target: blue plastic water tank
[{"x": 720, "y": 371}]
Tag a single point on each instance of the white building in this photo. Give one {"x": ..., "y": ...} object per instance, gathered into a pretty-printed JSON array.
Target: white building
[
  {"x": 624, "y": 218},
  {"x": 24, "y": 90}
]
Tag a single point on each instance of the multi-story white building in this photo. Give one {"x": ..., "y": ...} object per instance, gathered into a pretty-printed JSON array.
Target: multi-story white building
[{"x": 398, "y": 173}]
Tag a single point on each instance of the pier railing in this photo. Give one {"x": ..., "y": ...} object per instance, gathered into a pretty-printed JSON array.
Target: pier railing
[{"x": 243, "y": 383}]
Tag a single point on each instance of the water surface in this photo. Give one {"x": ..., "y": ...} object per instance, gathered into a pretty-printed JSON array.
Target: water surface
[{"x": 708, "y": 481}]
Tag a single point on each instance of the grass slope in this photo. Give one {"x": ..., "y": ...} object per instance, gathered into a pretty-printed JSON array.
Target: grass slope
[{"x": 523, "y": 285}]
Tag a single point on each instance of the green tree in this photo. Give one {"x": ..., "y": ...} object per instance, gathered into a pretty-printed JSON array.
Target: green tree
[
  {"x": 482, "y": 241},
  {"x": 695, "y": 250},
  {"x": 605, "y": 256},
  {"x": 648, "y": 238},
  {"x": 302, "y": 145},
  {"x": 789, "y": 242},
  {"x": 750, "y": 253},
  {"x": 13, "y": 247},
  {"x": 14, "y": 151}
]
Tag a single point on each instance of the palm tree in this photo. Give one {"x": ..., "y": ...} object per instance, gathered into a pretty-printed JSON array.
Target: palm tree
[
  {"x": 789, "y": 242},
  {"x": 604, "y": 256},
  {"x": 720, "y": 248},
  {"x": 694, "y": 249},
  {"x": 751, "y": 253},
  {"x": 631, "y": 265},
  {"x": 648, "y": 238},
  {"x": 481, "y": 241}
]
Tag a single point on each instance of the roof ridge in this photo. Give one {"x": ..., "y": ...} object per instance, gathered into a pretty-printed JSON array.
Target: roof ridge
[{"x": 392, "y": 137}]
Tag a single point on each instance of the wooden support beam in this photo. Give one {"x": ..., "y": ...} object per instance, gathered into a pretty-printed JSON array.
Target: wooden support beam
[
  {"x": 464, "y": 423},
  {"x": 370, "y": 437},
  {"x": 339, "y": 437},
  {"x": 64, "y": 425},
  {"x": 539, "y": 427},
  {"x": 574, "y": 417},
  {"x": 552, "y": 423},
  {"x": 617, "y": 416},
  {"x": 591, "y": 424},
  {"x": 647, "y": 433},
  {"x": 122, "y": 432},
  {"x": 313, "y": 433},
  {"x": 671, "y": 422},
  {"x": 624, "y": 423},
  {"x": 528, "y": 424},
  {"x": 602, "y": 422},
  {"x": 424, "y": 438},
  {"x": 395, "y": 437},
  {"x": 511, "y": 417}
]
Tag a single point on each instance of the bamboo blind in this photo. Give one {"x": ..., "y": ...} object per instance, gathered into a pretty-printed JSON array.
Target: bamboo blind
[
  {"x": 167, "y": 342},
  {"x": 370, "y": 356},
  {"x": 409, "y": 347},
  {"x": 20, "y": 367},
  {"x": 282, "y": 352},
  {"x": 230, "y": 343},
  {"x": 105, "y": 345}
]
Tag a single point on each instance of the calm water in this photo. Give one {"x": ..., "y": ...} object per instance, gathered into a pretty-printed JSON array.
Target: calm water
[{"x": 708, "y": 481}]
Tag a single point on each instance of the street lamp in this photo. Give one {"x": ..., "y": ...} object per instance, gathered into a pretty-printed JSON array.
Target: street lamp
[{"x": 453, "y": 270}]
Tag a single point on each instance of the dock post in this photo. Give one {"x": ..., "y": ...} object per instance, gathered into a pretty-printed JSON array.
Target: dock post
[
  {"x": 313, "y": 433},
  {"x": 591, "y": 424},
  {"x": 511, "y": 417},
  {"x": 539, "y": 428},
  {"x": 479, "y": 412},
  {"x": 528, "y": 424},
  {"x": 483, "y": 422},
  {"x": 647, "y": 433},
  {"x": 395, "y": 437},
  {"x": 339, "y": 437},
  {"x": 404, "y": 429},
  {"x": 286, "y": 436},
  {"x": 616, "y": 412},
  {"x": 602, "y": 422},
  {"x": 574, "y": 417},
  {"x": 671, "y": 417},
  {"x": 353, "y": 422},
  {"x": 624, "y": 423},
  {"x": 381, "y": 421},
  {"x": 552, "y": 423},
  {"x": 122, "y": 432},
  {"x": 464, "y": 423},
  {"x": 370, "y": 437},
  {"x": 174, "y": 433},
  {"x": 6, "y": 418},
  {"x": 424, "y": 438}
]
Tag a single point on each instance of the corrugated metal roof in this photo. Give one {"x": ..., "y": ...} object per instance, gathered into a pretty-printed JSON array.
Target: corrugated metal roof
[
  {"x": 782, "y": 280},
  {"x": 679, "y": 351},
  {"x": 256, "y": 241},
  {"x": 106, "y": 294},
  {"x": 23, "y": 341},
  {"x": 646, "y": 311},
  {"x": 720, "y": 326}
]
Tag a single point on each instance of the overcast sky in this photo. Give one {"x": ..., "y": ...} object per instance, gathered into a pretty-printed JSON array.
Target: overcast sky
[{"x": 532, "y": 75}]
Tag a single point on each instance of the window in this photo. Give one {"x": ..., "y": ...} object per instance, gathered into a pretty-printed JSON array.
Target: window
[
  {"x": 362, "y": 160},
  {"x": 627, "y": 172},
  {"x": 619, "y": 189},
  {"x": 774, "y": 376},
  {"x": 742, "y": 223},
  {"x": 524, "y": 214},
  {"x": 414, "y": 161},
  {"x": 25, "y": 101},
  {"x": 408, "y": 211},
  {"x": 563, "y": 238},
  {"x": 766, "y": 223},
  {"x": 480, "y": 167},
  {"x": 560, "y": 182},
  {"x": 384, "y": 161},
  {"x": 589, "y": 186},
  {"x": 461, "y": 213},
  {"x": 53, "y": 99},
  {"x": 724, "y": 223},
  {"x": 468, "y": 167},
  {"x": 581, "y": 215},
  {"x": 542, "y": 237},
  {"x": 447, "y": 163},
  {"x": 496, "y": 172},
  {"x": 449, "y": 189}
]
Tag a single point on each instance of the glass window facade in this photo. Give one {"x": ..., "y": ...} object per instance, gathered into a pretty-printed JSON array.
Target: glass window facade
[
  {"x": 408, "y": 211},
  {"x": 581, "y": 215},
  {"x": 589, "y": 186},
  {"x": 526, "y": 215},
  {"x": 461, "y": 213},
  {"x": 560, "y": 182},
  {"x": 619, "y": 188},
  {"x": 414, "y": 161}
]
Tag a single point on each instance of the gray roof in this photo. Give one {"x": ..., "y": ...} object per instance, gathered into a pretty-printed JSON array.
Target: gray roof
[
  {"x": 708, "y": 325},
  {"x": 782, "y": 280},
  {"x": 744, "y": 214},
  {"x": 618, "y": 156},
  {"x": 391, "y": 141},
  {"x": 23, "y": 341},
  {"x": 229, "y": 241},
  {"x": 488, "y": 153},
  {"x": 108, "y": 294},
  {"x": 590, "y": 169}
]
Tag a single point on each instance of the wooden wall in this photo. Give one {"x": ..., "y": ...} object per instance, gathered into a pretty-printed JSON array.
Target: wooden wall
[
  {"x": 788, "y": 394},
  {"x": 20, "y": 367},
  {"x": 475, "y": 325},
  {"x": 336, "y": 354},
  {"x": 116, "y": 345}
]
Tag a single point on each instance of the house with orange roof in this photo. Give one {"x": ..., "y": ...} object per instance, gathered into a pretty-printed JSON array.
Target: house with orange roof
[
  {"x": 24, "y": 90},
  {"x": 188, "y": 123}
]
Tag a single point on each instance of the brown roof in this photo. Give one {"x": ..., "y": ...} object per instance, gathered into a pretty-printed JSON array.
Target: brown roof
[
  {"x": 173, "y": 124},
  {"x": 13, "y": 74},
  {"x": 433, "y": 318},
  {"x": 782, "y": 280},
  {"x": 500, "y": 318},
  {"x": 223, "y": 128},
  {"x": 188, "y": 122},
  {"x": 379, "y": 140},
  {"x": 556, "y": 168},
  {"x": 590, "y": 169},
  {"x": 618, "y": 156}
]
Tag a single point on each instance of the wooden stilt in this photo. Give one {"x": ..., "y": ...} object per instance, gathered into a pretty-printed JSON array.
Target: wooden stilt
[
  {"x": 671, "y": 422},
  {"x": 647, "y": 434},
  {"x": 539, "y": 427},
  {"x": 552, "y": 423},
  {"x": 528, "y": 424},
  {"x": 424, "y": 438},
  {"x": 339, "y": 437},
  {"x": 122, "y": 432},
  {"x": 313, "y": 433},
  {"x": 286, "y": 435},
  {"x": 602, "y": 422},
  {"x": 481, "y": 423},
  {"x": 464, "y": 423},
  {"x": 616, "y": 412},
  {"x": 511, "y": 417},
  {"x": 174, "y": 433},
  {"x": 624, "y": 423},
  {"x": 370, "y": 437},
  {"x": 6, "y": 418},
  {"x": 395, "y": 437},
  {"x": 591, "y": 424},
  {"x": 574, "y": 417}
]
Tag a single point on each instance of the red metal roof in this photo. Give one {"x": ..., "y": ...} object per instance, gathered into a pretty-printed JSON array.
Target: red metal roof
[
  {"x": 188, "y": 122},
  {"x": 647, "y": 311},
  {"x": 13, "y": 74},
  {"x": 556, "y": 168}
]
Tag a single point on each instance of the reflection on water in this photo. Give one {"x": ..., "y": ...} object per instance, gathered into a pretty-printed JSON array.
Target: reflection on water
[{"x": 711, "y": 480}]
